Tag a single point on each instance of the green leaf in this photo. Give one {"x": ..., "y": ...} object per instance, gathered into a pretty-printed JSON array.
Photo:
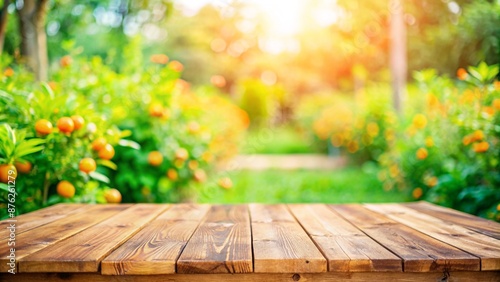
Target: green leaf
[
  {"x": 108, "y": 164},
  {"x": 48, "y": 90},
  {"x": 5, "y": 95},
  {"x": 27, "y": 151},
  {"x": 99, "y": 176},
  {"x": 125, "y": 133},
  {"x": 29, "y": 147},
  {"x": 4, "y": 187},
  {"x": 129, "y": 143}
]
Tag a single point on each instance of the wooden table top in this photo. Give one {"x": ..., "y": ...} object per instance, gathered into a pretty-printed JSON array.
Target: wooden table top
[{"x": 163, "y": 239}]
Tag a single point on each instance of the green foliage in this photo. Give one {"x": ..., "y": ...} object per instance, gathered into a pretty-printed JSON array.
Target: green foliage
[
  {"x": 449, "y": 152},
  {"x": 142, "y": 109},
  {"x": 361, "y": 128}
]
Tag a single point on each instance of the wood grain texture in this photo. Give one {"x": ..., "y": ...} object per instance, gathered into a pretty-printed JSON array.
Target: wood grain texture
[
  {"x": 155, "y": 249},
  {"x": 221, "y": 244},
  {"x": 480, "y": 245},
  {"x": 280, "y": 244},
  {"x": 420, "y": 253},
  {"x": 481, "y": 225},
  {"x": 346, "y": 247},
  {"x": 483, "y": 276},
  {"x": 49, "y": 234},
  {"x": 41, "y": 217},
  {"x": 84, "y": 251}
]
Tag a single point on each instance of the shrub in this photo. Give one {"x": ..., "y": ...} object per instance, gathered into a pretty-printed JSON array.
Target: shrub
[
  {"x": 360, "y": 128},
  {"x": 449, "y": 153},
  {"x": 150, "y": 136}
]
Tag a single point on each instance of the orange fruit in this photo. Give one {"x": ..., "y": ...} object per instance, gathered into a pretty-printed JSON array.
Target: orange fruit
[
  {"x": 99, "y": 143},
  {"x": 106, "y": 153},
  {"x": 66, "y": 61},
  {"x": 181, "y": 154},
  {"x": 481, "y": 147},
  {"x": 8, "y": 173},
  {"x": 478, "y": 135},
  {"x": 218, "y": 81},
  {"x": 155, "y": 158},
  {"x": 65, "y": 189},
  {"x": 156, "y": 110},
  {"x": 193, "y": 164},
  {"x": 417, "y": 193},
  {"x": 23, "y": 167},
  {"x": 176, "y": 66},
  {"x": 467, "y": 140},
  {"x": 225, "y": 183},
  {"x": 429, "y": 142},
  {"x": 78, "y": 121},
  {"x": 432, "y": 181},
  {"x": 419, "y": 121},
  {"x": 159, "y": 59},
  {"x": 200, "y": 175},
  {"x": 496, "y": 104},
  {"x": 8, "y": 72},
  {"x": 172, "y": 174},
  {"x": 87, "y": 165},
  {"x": 43, "y": 127},
  {"x": 462, "y": 74},
  {"x": 113, "y": 196},
  {"x": 66, "y": 125},
  {"x": 52, "y": 85},
  {"x": 422, "y": 153}
]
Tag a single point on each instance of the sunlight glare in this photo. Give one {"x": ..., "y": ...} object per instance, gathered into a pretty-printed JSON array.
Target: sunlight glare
[{"x": 283, "y": 16}]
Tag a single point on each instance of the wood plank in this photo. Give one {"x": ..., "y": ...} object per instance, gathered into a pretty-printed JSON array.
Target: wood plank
[
  {"x": 156, "y": 248},
  {"x": 478, "y": 224},
  {"x": 420, "y": 253},
  {"x": 480, "y": 245},
  {"x": 221, "y": 244},
  {"x": 84, "y": 251},
  {"x": 42, "y": 237},
  {"x": 37, "y": 218},
  {"x": 281, "y": 245},
  {"x": 483, "y": 276},
  {"x": 346, "y": 247}
]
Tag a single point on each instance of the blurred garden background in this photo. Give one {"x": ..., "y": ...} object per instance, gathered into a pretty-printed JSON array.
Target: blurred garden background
[{"x": 157, "y": 100}]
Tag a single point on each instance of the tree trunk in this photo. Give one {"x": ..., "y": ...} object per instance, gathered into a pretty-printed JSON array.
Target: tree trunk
[
  {"x": 33, "y": 36},
  {"x": 398, "y": 59},
  {"x": 3, "y": 23}
]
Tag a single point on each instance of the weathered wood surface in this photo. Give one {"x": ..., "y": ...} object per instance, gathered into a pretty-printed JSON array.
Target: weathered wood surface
[
  {"x": 420, "y": 253},
  {"x": 345, "y": 246},
  {"x": 255, "y": 242},
  {"x": 475, "y": 223},
  {"x": 155, "y": 249},
  {"x": 37, "y": 239},
  {"x": 480, "y": 245},
  {"x": 84, "y": 251},
  {"x": 221, "y": 244},
  {"x": 32, "y": 220},
  {"x": 483, "y": 276},
  {"x": 280, "y": 244}
]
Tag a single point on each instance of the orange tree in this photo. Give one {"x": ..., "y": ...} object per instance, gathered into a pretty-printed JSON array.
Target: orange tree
[
  {"x": 141, "y": 130},
  {"x": 47, "y": 136},
  {"x": 175, "y": 133},
  {"x": 449, "y": 151}
]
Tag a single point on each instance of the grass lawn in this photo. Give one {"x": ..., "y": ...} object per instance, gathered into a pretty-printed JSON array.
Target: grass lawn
[
  {"x": 277, "y": 140},
  {"x": 348, "y": 185}
]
